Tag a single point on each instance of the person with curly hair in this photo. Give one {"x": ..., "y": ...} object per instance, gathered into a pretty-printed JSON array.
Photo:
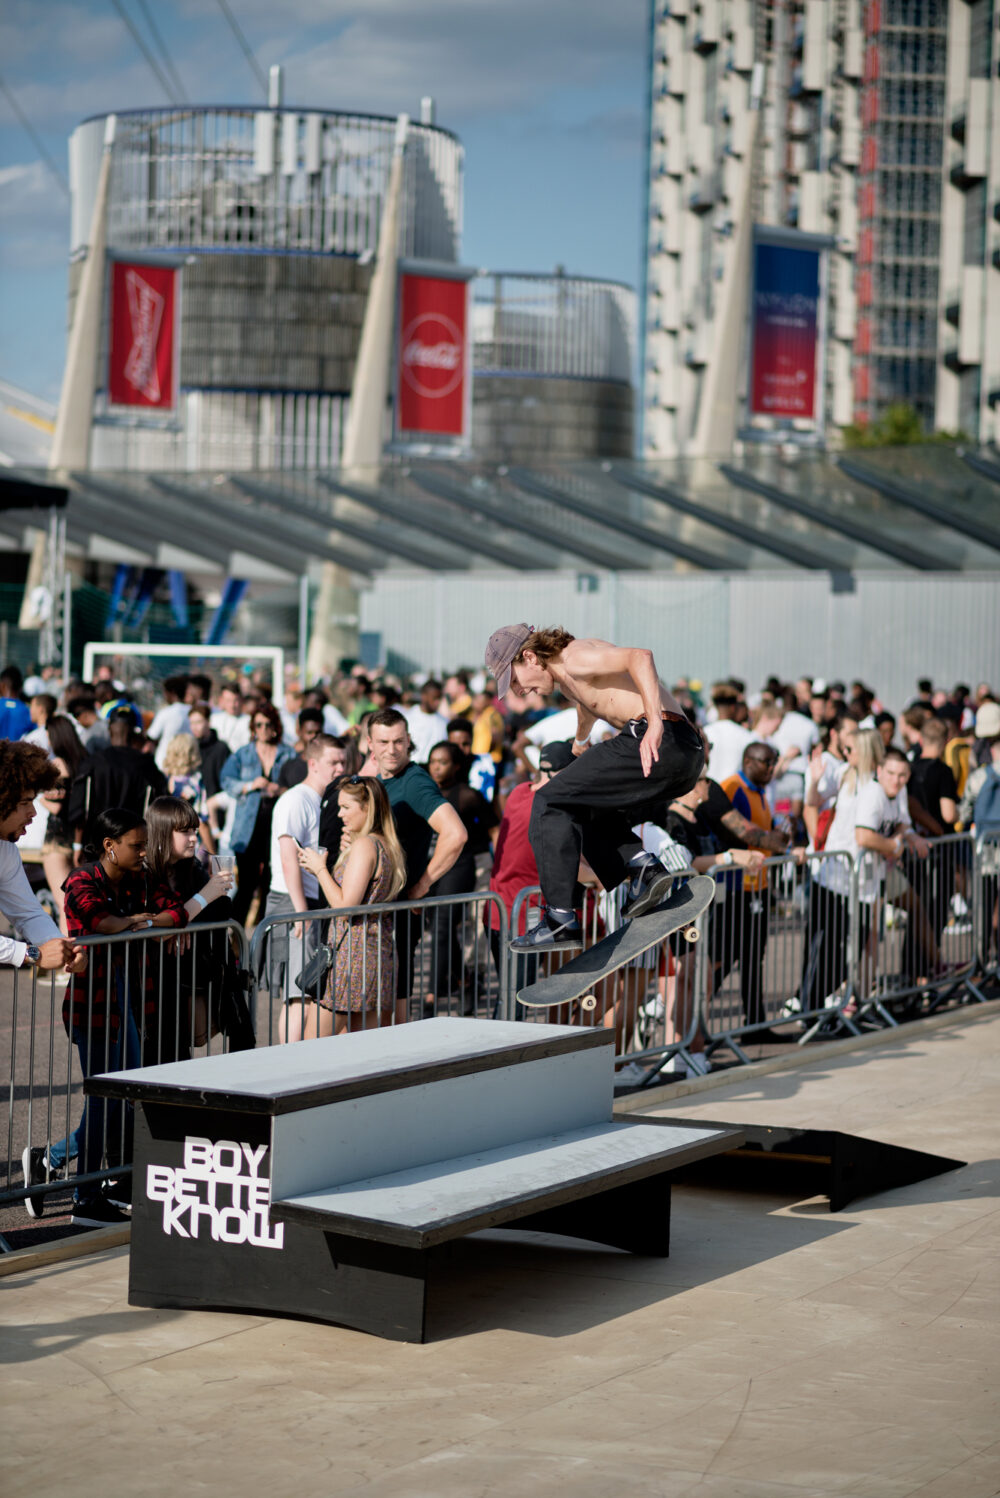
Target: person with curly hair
[
  {"x": 593, "y": 805},
  {"x": 26, "y": 771}
]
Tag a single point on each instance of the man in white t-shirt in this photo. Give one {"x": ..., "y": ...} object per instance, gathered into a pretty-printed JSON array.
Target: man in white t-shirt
[
  {"x": 295, "y": 825},
  {"x": 727, "y": 739},
  {"x": 827, "y": 768},
  {"x": 426, "y": 723},
  {"x": 231, "y": 723},
  {"x": 882, "y": 825},
  {"x": 171, "y": 719}
]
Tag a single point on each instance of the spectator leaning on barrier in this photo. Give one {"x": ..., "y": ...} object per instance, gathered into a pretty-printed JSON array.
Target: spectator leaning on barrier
[
  {"x": 192, "y": 982},
  {"x": 25, "y": 772},
  {"x": 420, "y": 813},
  {"x": 110, "y": 894}
]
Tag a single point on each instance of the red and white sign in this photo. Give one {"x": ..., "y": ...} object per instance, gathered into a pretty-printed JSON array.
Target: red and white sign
[
  {"x": 141, "y": 341},
  {"x": 431, "y": 364}
]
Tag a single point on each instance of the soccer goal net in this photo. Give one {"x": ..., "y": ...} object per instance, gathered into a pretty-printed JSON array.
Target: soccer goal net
[{"x": 142, "y": 669}]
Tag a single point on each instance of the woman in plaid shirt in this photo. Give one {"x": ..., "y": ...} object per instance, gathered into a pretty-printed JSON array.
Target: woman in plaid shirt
[{"x": 104, "y": 1008}]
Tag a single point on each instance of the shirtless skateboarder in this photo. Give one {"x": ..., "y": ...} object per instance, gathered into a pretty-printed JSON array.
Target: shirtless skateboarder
[{"x": 593, "y": 804}]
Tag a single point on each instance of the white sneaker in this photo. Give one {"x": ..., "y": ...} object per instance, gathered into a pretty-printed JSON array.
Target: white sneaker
[
  {"x": 654, "y": 1008},
  {"x": 792, "y": 1006},
  {"x": 632, "y": 1075}
]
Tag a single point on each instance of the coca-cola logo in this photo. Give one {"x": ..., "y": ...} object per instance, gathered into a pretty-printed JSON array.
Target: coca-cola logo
[{"x": 432, "y": 355}]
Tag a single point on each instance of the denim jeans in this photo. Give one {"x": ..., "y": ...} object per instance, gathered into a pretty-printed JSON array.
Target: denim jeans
[
  {"x": 66, "y": 1149},
  {"x": 106, "y": 1123}
]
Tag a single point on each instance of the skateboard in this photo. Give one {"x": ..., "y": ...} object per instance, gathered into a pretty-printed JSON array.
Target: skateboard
[{"x": 576, "y": 977}]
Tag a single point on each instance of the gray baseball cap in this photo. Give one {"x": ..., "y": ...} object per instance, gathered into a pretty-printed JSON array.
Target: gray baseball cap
[{"x": 503, "y": 645}]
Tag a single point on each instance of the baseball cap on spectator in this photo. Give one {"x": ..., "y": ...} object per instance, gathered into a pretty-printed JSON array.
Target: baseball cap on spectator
[
  {"x": 988, "y": 721},
  {"x": 503, "y": 645},
  {"x": 950, "y": 712},
  {"x": 555, "y": 756}
]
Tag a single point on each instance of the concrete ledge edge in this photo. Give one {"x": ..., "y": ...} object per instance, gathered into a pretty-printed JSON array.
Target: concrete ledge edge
[
  {"x": 656, "y": 1096},
  {"x": 66, "y": 1248}
]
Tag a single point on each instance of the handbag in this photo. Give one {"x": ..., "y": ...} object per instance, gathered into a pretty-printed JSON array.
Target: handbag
[{"x": 316, "y": 968}]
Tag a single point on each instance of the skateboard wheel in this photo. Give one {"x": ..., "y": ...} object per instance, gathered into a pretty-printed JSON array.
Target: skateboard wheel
[
  {"x": 691, "y": 933},
  {"x": 588, "y": 1002}
]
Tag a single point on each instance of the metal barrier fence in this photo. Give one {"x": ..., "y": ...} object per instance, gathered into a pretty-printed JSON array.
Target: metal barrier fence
[
  {"x": 651, "y": 1004},
  {"x": 145, "y": 998},
  {"x": 778, "y": 949},
  {"x": 380, "y": 964},
  {"x": 827, "y": 944},
  {"x": 917, "y": 940},
  {"x": 986, "y": 910}
]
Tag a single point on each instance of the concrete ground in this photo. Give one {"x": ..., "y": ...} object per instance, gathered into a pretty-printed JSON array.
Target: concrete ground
[{"x": 780, "y": 1352}]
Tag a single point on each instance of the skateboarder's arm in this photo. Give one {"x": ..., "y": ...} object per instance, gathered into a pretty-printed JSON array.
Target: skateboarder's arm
[
  {"x": 451, "y": 839},
  {"x": 585, "y": 721}
]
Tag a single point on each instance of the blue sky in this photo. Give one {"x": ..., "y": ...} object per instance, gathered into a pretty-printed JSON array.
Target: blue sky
[{"x": 548, "y": 97}]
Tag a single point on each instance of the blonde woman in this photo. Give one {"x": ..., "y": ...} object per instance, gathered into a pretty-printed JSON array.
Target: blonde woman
[
  {"x": 182, "y": 767},
  {"x": 371, "y": 869},
  {"x": 825, "y": 953}
]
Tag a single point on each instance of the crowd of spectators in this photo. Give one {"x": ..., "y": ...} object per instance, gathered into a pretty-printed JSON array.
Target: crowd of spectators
[{"x": 371, "y": 787}]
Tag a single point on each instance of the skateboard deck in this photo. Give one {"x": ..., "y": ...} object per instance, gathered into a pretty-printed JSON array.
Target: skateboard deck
[{"x": 578, "y": 976}]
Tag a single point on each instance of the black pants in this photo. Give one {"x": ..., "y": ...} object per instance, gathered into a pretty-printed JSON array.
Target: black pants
[
  {"x": 447, "y": 928},
  {"x": 739, "y": 935},
  {"x": 825, "y": 950},
  {"x": 592, "y": 806},
  {"x": 524, "y": 972},
  {"x": 253, "y": 867}
]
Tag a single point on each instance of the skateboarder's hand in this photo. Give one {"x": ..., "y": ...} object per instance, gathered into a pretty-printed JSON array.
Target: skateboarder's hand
[{"x": 649, "y": 748}]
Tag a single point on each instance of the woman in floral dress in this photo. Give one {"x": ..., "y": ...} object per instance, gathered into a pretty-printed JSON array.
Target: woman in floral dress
[{"x": 371, "y": 869}]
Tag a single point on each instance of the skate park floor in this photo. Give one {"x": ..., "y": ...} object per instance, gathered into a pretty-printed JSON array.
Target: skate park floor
[{"x": 781, "y": 1351}]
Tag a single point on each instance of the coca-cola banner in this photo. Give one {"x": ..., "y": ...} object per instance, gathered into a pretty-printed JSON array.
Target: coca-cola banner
[
  {"x": 141, "y": 339},
  {"x": 431, "y": 378}
]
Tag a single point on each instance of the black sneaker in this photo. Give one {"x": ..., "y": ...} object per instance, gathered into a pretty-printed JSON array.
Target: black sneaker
[
  {"x": 649, "y": 887},
  {"x": 550, "y": 936},
  {"x": 33, "y": 1165},
  {"x": 119, "y": 1193},
  {"x": 98, "y": 1212}
]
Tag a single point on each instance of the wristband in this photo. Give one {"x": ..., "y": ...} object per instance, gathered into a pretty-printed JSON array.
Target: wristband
[
  {"x": 77, "y": 847},
  {"x": 582, "y": 742},
  {"x": 200, "y": 901}
]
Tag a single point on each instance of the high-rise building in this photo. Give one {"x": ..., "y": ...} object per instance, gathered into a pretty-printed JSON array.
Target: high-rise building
[
  {"x": 968, "y": 373},
  {"x": 871, "y": 122}
]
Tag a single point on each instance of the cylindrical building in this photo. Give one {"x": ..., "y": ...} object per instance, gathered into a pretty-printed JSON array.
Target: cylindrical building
[{"x": 276, "y": 215}]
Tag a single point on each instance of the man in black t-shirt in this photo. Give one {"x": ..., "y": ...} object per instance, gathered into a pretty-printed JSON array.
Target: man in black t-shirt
[
  {"x": 421, "y": 815},
  {"x": 933, "y": 801},
  {"x": 931, "y": 781},
  {"x": 116, "y": 775}
]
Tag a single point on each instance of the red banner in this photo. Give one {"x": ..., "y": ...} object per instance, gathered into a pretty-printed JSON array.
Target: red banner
[
  {"x": 141, "y": 341},
  {"x": 431, "y": 363}
]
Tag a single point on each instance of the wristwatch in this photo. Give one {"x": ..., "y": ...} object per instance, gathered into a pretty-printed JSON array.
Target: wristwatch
[{"x": 32, "y": 954}]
